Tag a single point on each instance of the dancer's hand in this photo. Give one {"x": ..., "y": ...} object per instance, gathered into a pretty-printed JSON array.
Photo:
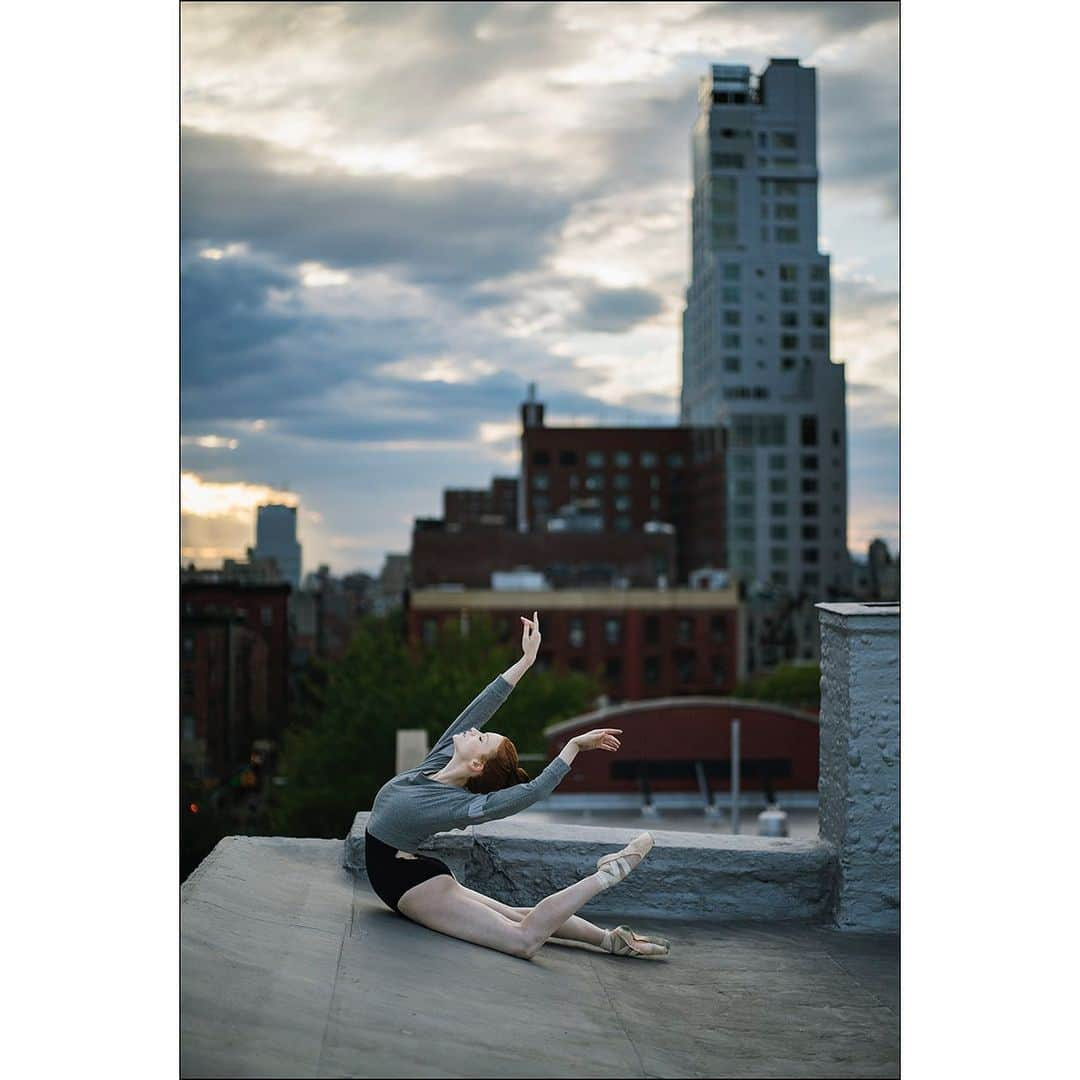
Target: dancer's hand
[
  {"x": 599, "y": 739},
  {"x": 530, "y": 636}
]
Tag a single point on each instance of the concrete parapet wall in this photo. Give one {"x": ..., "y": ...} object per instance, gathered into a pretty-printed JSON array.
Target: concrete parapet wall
[
  {"x": 687, "y": 875},
  {"x": 859, "y": 771}
]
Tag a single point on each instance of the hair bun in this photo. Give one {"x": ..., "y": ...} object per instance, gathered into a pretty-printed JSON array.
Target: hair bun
[{"x": 522, "y": 776}]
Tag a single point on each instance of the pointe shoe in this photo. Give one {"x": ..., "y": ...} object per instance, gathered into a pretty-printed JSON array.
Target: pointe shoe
[
  {"x": 622, "y": 941},
  {"x": 613, "y": 868}
]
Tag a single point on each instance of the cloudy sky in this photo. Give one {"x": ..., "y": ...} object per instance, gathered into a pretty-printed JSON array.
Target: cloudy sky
[{"x": 396, "y": 216}]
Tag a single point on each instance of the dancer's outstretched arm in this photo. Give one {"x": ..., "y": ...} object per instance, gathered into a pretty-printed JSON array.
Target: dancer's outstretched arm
[
  {"x": 484, "y": 706},
  {"x": 511, "y": 800}
]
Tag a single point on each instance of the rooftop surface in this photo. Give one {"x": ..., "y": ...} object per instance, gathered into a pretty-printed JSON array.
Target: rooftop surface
[{"x": 292, "y": 967}]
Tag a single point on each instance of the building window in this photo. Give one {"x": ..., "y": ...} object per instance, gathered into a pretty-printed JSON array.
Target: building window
[
  {"x": 809, "y": 509},
  {"x": 811, "y": 578},
  {"x": 718, "y": 629},
  {"x": 809, "y": 532},
  {"x": 189, "y": 645},
  {"x": 685, "y": 630},
  {"x": 809, "y": 485},
  {"x": 778, "y": 554},
  {"x": 789, "y": 318},
  {"x": 789, "y": 342},
  {"x": 684, "y": 666},
  {"x": 430, "y": 631},
  {"x": 808, "y": 431},
  {"x": 764, "y": 210},
  {"x": 576, "y": 636},
  {"x": 541, "y": 503},
  {"x": 187, "y": 728},
  {"x": 778, "y": 509},
  {"x": 809, "y": 462},
  {"x": 787, "y": 363},
  {"x": 745, "y": 533},
  {"x": 728, "y": 161},
  {"x": 648, "y": 459},
  {"x": 785, "y": 188},
  {"x": 654, "y": 481},
  {"x": 622, "y": 481},
  {"x": 623, "y": 459},
  {"x": 652, "y": 629},
  {"x": 779, "y": 577},
  {"x": 540, "y": 481},
  {"x": 732, "y": 271},
  {"x": 777, "y": 532},
  {"x": 786, "y": 212},
  {"x": 819, "y": 296},
  {"x": 817, "y": 273},
  {"x": 836, "y": 436},
  {"x": 788, "y": 272},
  {"x": 541, "y": 457},
  {"x": 654, "y": 502},
  {"x": 613, "y": 668},
  {"x": 817, "y": 342},
  {"x": 594, "y": 482},
  {"x": 594, "y": 459},
  {"x": 573, "y": 480},
  {"x": 777, "y": 485},
  {"x": 742, "y": 462},
  {"x": 731, "y": 341},
  {"x": 744, "y": 487},
  {"x": 675, "y": 461},
  {"x": 622, "y": 502},
  {"x": 762, "y": 138},
  {"x": 730, "y": 294},
  {"x": 567, "y": 457},
  {"x": 732, "y": 318},
  {"x": 188, "y": 681},
  {"x": 613, "y": 630},
  {"x": 731, "y": 363},
  {"x": 742, "y": 511},
  {"x": 786, "y": 234},
  {"x": 650, "y": 669},
  {"x": 623, "y": 524},
  {"x": 783, "y": 140},
  {"x": 818, "y": 319},
  {"x": 789, "y": 295},
  {"x": 777, "y": 461},
  {"x": 719, "y": 671},
  {"x": 785, "y": 162},
  {"x": 810, "y": 555}
]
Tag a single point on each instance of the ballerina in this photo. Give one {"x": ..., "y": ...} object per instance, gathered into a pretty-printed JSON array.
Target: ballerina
[{"x": 472, "y": 776}]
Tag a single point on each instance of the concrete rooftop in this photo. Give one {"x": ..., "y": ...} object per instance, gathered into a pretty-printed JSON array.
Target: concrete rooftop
[{"x": 292, "y": 967}]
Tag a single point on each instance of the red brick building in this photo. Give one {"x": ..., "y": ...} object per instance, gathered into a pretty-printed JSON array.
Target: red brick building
[
  {"x": 464, "y": 507},
  {"x": 234, "y": 664},
  {"x": 441, "y": 556},
  {"x": 627, "y": 476},
  {"x": 639, "y": 643},
  {"x": 662, "y": 743}
]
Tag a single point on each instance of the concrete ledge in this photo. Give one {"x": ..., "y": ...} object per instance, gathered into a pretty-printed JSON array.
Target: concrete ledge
[{"x": 687, "y": 875}]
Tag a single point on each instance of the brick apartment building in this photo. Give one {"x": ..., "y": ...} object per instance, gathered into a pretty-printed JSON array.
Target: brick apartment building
[
  {"x": 639, "y": 643},
  {"x": 234, "y": 664},
  {"x": 617, "y": 479},
  {"x": 482, "y": 506}
]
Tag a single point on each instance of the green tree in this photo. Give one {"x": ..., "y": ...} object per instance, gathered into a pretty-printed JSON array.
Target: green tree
[
  {"x": 797, "y": 685},
  {"x": 335, "y": 761}
]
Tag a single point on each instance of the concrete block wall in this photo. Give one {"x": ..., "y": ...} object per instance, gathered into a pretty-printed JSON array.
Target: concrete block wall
[
  {"x": 859, "y": 777},
  {"x": 687, "y": 875}
]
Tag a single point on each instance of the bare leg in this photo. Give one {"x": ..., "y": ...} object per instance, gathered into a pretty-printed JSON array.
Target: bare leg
[
  {"x": 574, "y": 929},
  {"x": 441, "y": 904}
]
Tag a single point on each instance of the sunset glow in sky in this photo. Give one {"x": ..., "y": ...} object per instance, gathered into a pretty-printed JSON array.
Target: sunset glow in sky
[{"x": 396, "y": 216}]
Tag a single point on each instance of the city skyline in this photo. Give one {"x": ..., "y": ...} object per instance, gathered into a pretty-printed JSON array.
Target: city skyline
[{"x": 396, "y": 217}]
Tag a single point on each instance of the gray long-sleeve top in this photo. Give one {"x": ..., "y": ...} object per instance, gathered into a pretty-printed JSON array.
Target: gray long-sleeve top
[{"x": 411, "y": 807}]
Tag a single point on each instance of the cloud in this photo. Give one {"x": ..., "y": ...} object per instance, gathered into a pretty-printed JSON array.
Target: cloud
[{"x": 614, "y": 310}]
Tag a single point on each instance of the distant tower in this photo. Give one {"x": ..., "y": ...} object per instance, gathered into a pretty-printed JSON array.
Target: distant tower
[
  {"x": 275, "y": 538},
  {"x": 756, "y": 351}
]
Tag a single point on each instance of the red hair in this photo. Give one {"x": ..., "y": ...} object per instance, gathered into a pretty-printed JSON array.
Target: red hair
[{"x": 501, "y": 770}]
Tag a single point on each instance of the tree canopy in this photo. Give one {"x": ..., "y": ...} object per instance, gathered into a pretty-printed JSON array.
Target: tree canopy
[{"x": 797, "y": 685}]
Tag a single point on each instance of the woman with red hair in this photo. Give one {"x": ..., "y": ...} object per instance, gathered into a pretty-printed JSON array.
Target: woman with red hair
[{"x": 472, "y": 776}]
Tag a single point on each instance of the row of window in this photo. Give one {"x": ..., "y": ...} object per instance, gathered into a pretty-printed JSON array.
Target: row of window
[
  {"x": 620, "y": 459},
  {"x": 621, "y": 503},
  {"x": 726, "y": 159},
  {"x": 732, "y": 294},
  {"x": 541, "y": 481},
  {"x": 613, "y": 630},
  {"x": 785, "y": 271},
  {"x": 744, "y": 487},
  {"x": 781, "y": 140},
  {"x": 733, "y": 317},
  {"x": 787, "y": 342},
  {"x": 685, "y": 668}
]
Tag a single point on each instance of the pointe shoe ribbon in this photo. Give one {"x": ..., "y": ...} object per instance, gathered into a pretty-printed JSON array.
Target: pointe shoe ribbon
[{"x": 613, "y": 868}]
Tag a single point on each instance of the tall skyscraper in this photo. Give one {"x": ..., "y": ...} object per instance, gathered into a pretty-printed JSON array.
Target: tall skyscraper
[
  {"x": 275, "y": 538},
  {"x": 756, "y": 356}
]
